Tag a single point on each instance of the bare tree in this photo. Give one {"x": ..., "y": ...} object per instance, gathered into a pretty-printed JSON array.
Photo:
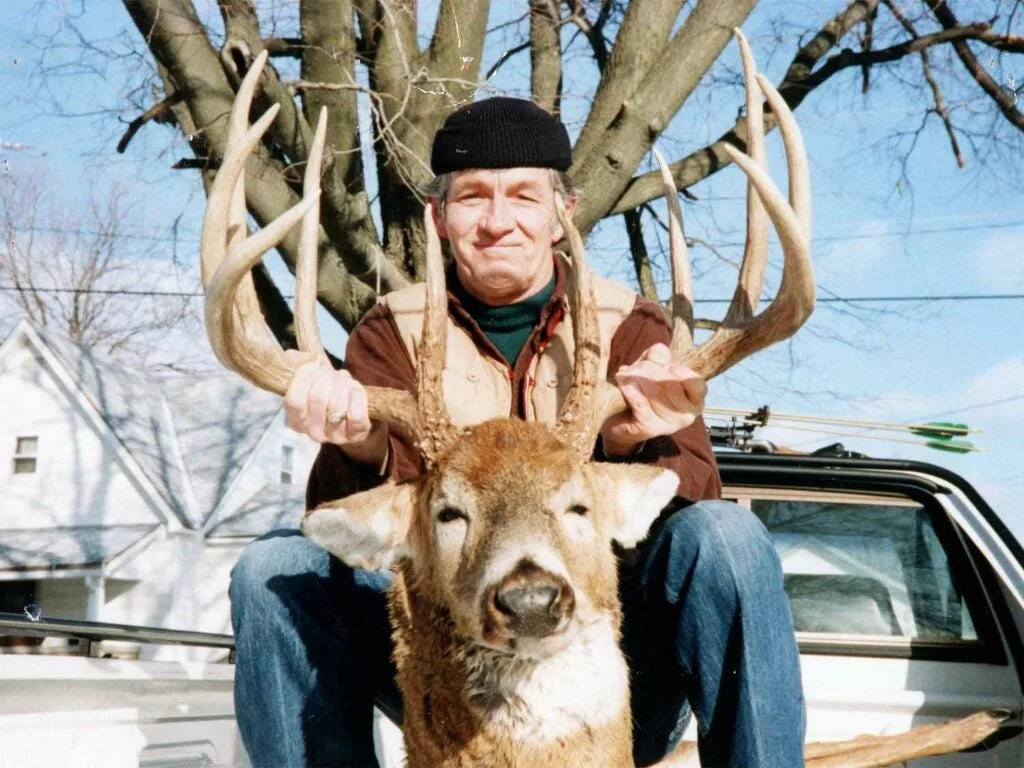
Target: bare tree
[
  {"x": 377, "y": 67},
  {"x": 85, "y": 274}
]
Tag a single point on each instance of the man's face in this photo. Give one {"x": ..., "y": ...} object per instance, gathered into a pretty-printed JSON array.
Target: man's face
[{"x": 502, "y": 227}]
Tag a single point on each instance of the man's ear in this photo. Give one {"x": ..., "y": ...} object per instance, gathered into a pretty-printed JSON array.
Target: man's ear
[
  {"x": 435, "y": 211},
  {"x": 636, "y": 495},
  {"x": 365, "y": 530}
]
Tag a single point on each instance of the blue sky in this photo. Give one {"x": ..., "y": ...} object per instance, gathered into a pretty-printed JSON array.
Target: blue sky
[{"x": 946, "y": 231}]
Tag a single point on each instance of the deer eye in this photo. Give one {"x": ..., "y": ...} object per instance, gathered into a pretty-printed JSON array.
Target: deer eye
[
  {"x": 450, "y": 514},
  {"x": 578, "y": 509}
]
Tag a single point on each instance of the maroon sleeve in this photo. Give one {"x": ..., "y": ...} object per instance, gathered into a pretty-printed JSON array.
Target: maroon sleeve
[
  {"x": 375, "y": 356},
  {"x": 688, "y": 452}
]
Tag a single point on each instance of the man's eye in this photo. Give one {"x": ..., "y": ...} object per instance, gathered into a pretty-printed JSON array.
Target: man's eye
[{"x": 450, "y": 514}]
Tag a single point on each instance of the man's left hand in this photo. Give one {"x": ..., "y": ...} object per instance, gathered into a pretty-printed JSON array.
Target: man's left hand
[{"x": 664, "y": 397}]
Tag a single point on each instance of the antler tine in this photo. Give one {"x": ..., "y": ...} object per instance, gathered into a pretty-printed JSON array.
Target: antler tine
[
  {"x": 436, "y": 431},
  {"x": 923, "y": 741},
  {"x": 741, "y": 335},
  {"x": 577, "y": 423},
  {"x": 238, "y": 334},
  {"x": 681, "y": 304},
  {"x": 755, "y": 253},
  {"x": 307, "y": 332},
  {"x": 237, "y": 337},
  {"x": 794, "y": 302}
]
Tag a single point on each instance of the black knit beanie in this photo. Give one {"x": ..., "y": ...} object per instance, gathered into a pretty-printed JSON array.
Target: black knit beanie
[{"x": 500, "y": 133}]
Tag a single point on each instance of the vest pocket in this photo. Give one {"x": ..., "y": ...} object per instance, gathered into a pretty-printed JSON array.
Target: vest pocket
[{"x": 476, "y": 394}]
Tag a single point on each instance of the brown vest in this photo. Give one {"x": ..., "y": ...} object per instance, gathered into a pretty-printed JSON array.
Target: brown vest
[{"x": 477, "y": 387}]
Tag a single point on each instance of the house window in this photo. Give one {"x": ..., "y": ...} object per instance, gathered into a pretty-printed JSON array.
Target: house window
[
  {"x": 25, "y": 451},
  {"x": 19, "y": 598},
  {"x": 287, "y": 461}
]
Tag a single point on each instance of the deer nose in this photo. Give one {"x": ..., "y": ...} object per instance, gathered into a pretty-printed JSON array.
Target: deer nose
[
  {"x": 526, "y": 601},
  {"x": 535, "y": 603}
]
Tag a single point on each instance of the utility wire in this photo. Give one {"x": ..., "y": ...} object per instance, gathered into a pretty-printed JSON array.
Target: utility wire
[
  {"x": 896, "y": 234},
  {"x": 820, "y": 300},
  {"x": 186, "y": 234},
  {"x": 107, "y": 291}
]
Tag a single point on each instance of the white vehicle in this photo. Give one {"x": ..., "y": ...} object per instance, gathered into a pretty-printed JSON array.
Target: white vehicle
[{"x": 907, "y": 595}]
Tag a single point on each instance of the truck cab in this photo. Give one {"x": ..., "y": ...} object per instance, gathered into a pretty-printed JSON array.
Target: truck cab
[{"x": 907, "y": 594}]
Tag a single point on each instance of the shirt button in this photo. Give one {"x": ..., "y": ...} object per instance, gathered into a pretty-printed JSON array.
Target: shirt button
[
  {"x": 472, "y": 377},
  {"x": 553, "y": 383}
]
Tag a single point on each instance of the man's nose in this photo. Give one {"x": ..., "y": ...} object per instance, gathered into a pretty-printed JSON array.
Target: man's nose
[{"x": 497, "y": 219}]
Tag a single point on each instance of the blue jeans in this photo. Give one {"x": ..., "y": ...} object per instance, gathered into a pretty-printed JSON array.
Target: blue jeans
[{"x": 706, "y": 625}]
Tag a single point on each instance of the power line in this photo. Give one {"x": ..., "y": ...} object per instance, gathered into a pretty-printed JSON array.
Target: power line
[
  {"x": 894, "y": 234},
  {"x": 105, "y": 291},
  {"x": 821, "y": 300},
  {"x": 895, "y": 299},
  {"x": 186, "y": 234},
  {"x": 181, "y": 234},
  {"x": 976, "y": 406}
]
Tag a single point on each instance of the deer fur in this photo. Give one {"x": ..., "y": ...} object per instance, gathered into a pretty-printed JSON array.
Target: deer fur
[{"x": 475, "y": 693}]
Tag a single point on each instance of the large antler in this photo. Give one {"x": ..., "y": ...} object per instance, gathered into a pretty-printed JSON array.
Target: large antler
[
  {"x": 589, "y": 402},
  {"x": 234, "y": 323}
]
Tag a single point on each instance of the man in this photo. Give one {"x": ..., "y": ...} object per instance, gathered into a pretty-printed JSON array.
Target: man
[{"x": 706, "y": 623}]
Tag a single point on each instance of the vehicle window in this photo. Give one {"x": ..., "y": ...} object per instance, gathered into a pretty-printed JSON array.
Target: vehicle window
[{"x": 866, "y": 569}]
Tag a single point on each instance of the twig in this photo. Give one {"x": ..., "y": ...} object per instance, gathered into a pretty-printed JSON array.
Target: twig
[
  {"x": 160, "y": 112},
  {"x": 940, "y": 103},
  {"x": 284, "y": 47},
  {"x": 1007, "y": 103},
  {"x": 197, "y": 163}
]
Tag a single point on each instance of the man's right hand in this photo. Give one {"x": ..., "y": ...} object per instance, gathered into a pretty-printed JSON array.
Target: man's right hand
[{"x": 329, "y": 406}]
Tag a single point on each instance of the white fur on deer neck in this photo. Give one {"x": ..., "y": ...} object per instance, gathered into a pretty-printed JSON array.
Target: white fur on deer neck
[{"x": 537, "y": 701}]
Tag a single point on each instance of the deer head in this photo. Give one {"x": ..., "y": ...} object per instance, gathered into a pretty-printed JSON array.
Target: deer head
[{"x": 510, "y": 529}]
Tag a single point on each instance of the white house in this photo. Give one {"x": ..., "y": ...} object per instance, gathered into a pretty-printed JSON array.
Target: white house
[{"x": 127, "y": 498}]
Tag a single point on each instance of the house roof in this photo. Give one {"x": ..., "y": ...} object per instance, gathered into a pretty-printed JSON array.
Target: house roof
[
  {"x": 190, "y": 435},
  {"x": 92, "y": 546},
  {"x": 219, "y": 421},
  {"x": 270, "y": 508}
]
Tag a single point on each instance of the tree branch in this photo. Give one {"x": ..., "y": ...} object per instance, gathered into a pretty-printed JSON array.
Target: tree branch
[
  {"x": 605, "y": 171},
  {"x": 593, "y": 32},
  {"x": 868, "y": 42},
  {"x": 344, "y": 203},
  {"x": 641, "y": 260},
  {"x": 850, "y": 58},
  {"x": 1006, "y": 102},
  {"x": 640, "y": 40},
  {"x": 284, "y": 47},
  {"x": 505, "y": 56},
  {"x": 940, "y": 103},
  {"x": 160, "y": 113},
  {"x": 711, "y": 159},
  {"x": 242, "y": 43},
  {"x": 799, "y": 81},
  {"x": 276, "y": 312},
  {"x": 457, "y": 46},
  {"x": 180, "y": 45},
  {"x": 545, "y": 55},
  {"x": 196, "y": 164}
]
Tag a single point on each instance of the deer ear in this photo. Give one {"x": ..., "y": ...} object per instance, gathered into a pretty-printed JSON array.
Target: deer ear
[
  {"x": 637, "y": 495},
  {"x": 364, "y": 530}
]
